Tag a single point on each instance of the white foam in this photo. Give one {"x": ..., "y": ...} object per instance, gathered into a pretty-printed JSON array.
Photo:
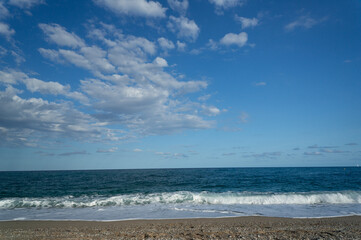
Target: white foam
[{"x": 200, "y": 198}]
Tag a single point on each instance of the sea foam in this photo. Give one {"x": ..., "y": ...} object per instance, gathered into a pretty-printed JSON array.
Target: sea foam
[{"x": 185, "y": 197}]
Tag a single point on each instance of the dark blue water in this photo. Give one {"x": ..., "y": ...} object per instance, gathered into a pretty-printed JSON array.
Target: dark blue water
[{"x": 174, "y": 193}]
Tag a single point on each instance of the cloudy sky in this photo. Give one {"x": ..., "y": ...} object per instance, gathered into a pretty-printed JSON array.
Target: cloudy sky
[{"x": 195, "y": 83}]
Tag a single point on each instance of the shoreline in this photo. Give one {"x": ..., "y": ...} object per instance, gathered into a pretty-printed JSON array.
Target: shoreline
[
  {"x": 257, "y": 227},
  {"x": 166, "y": 219}
]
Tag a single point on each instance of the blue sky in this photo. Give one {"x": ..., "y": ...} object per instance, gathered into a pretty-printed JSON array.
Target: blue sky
[{"x": 160, "y": 84}]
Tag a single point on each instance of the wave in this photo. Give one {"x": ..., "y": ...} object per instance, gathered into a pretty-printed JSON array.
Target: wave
[{"x": 184, "y": 197}]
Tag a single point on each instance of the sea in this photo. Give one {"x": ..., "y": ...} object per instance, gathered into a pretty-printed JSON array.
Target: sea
[{"x": 109, "y": 195}]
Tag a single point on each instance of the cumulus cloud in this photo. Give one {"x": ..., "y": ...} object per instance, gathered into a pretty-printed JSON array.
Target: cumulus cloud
[
  {"x": 221, "y": 5},
  {"x": 91, "y": 58},
  {"x": 130, "y": 90},
  {"x": 213, "y": 45},
  {"x": 6, "y": 31},
  {"x": 179, "y": 6},
  {"x": 161, "y": 62},
  {"x": 36, "y": 85},
  {"x": 211, "y": 110},
  {"x": 306, "y": 22},
  {"x": 60, "y": 36},
  {"x": 165, "y": 44},
  {"x": 12, "y": 77},
  {"x": 26, "y": 121},
  {"x": 234, "y": 39},
  {"x": 26, "y": 4},
  {"x": 246, "y": 22},
  {"x": 181, "y": 46},
  {"x": 204, "y": 97},
  {"x": 141, "y": 8},
  {"x": 130, "y": 87},
  {"x": 137, "y": 150},
  {"x": 184, "y": 27}
]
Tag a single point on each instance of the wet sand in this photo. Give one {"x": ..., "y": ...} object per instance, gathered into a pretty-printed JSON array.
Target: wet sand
[{"x": 209, "y": 228}]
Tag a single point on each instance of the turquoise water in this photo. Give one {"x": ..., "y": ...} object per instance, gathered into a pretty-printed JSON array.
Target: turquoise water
[{"x": 180, "y": 193}]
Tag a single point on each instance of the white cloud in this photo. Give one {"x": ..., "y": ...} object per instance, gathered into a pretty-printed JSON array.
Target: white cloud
[
  {"x": 53, "y": 55},
  {"x": 303, "y": 22},
  {"x": 91, "y": 58},
  {"x": 137, "y": 150},
  {"x": 36, "y": 85},
  {"x": 97, "y": 59},
  {"x": 247, "y": 22},
  {"x": 221, "y": 5},
  {"x": 264, "y": 155},
  {"x": 17, "y": 57},
  {"x": 204, "y": 97},
  {"x": 110, "y": 150},
  {"x": 25, "y": 3},
  {"x": 6, "y": 31},
  {"x": 235, "y": 39},
  {"x": 179, "y": 6},
  {"x": 211, "y": 110},
  {"x": 165, "y": 44},
  {"x": 312, "y": 153},
  {"x": 3, "y": 52},
  {"x": 131, "y": 88},
  {"x": 122, "y": 99},
  {"x": 169, "y": 155},
  {"x": 181, "y": 46},
  {"x": 4, "y": 12},
  {"x": 75, "y": 58},
  {"x": 161, "y": 62},
  {"x": 25, "y": 121},
  {"x": 333, "y": 151},
  {"x": 226, "y": 3},
  {"x": 140, "y": 8},
  {"x": 58, "y": 34},
  {"x": 260, "y": 84},
  {"x": 66, "y": 154},
  {"x": 213, "y": 45},
  {"x": 243, "y": 117},
  {"x": 316, "y": 146},
  {"x": 12, "y": 77},
  {"x": 184, "y": 27}
]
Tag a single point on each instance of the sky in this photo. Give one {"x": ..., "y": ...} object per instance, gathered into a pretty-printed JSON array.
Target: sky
[{"x": 118, "y": 84}]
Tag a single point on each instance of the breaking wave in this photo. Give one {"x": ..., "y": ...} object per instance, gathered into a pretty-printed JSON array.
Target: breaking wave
[{"x": 184, "y": 197}]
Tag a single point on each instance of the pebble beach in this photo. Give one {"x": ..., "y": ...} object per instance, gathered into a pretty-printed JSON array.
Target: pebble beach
[{"x": 206, "y": 228}]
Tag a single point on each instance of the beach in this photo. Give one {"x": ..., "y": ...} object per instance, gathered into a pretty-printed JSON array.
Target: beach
[{"x": 201, "y": 228}]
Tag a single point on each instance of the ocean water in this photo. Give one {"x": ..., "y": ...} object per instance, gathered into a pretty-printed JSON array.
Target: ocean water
[{"x": 108, "y": 195}]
